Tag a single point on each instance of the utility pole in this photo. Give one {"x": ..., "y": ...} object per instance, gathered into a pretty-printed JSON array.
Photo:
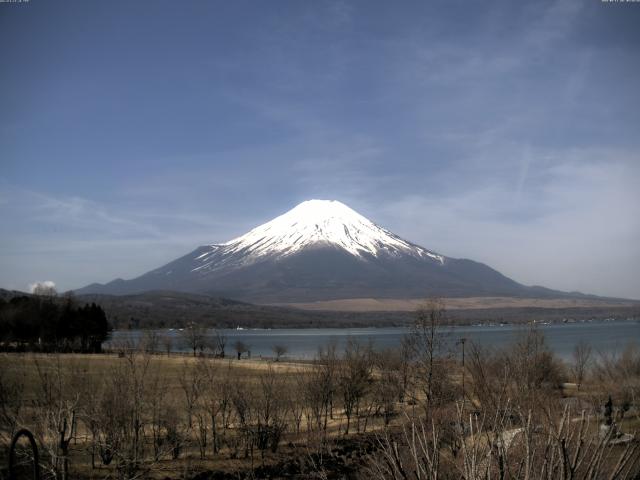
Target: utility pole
[{"x": 462, "y": 341}]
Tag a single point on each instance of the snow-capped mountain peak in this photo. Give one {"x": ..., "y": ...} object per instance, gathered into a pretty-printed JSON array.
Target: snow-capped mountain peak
[
  {"x": 317, "y": 223},
  {"x": 319, "y": 250}
]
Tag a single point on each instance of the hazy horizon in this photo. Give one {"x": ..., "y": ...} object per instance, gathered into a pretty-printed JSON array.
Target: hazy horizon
[{"x": 507, "y": 133}]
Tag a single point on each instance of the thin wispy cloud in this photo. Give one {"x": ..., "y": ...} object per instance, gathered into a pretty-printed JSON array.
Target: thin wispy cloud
[{"x": 575, "y": 226}]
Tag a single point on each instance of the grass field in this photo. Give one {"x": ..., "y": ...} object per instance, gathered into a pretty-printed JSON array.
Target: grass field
[
  {"x": 160, "y": 416},
  {"x": 83, "y": 377}
]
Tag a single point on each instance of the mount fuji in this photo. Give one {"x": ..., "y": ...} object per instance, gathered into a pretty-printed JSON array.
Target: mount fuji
[{"x": 321, "y": 250}]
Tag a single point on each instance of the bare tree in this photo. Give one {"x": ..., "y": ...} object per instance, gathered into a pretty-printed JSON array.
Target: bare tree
[
  {"x": 56, "y": 409},
  {"x": 317, "y": 388},
  {"x": 11, "y": 405},
  {"x": 405, "y": 366},
  {"x": 196, "y": 387},
  {"x": 240, "y": 348},
  {"x": 354, "y": 377},
  {"x": 270, "y": 408},
  {"x": 193, "y": 337},
  {"x": 175, "y": 436},
  {"x": 192, "y": 382},
  {"x": 491, "y": 376},
  {"x": 581, "y": 359},
  {"x": 387, "y": 389},
  {"x": 279, "y": 351},
  {"x": 150, "y": 341},
  {"x": 244, "y": 406},
  {"x": 320, "y": 388},
  {"x": 157, "y": 406},
  {"x": 220, "y": 344},
  {"x": 428, "y": 349},
  {"x": 535, "y": 373},
  {"x": 167, "y": 342},
  {"x": 296, "y": 398},
  {"x": 123, "y": 413},
  {"x": 217, "y": 399}
]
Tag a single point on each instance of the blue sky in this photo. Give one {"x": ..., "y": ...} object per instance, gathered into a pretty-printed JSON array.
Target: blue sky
[{"x": 506, "y": 132}]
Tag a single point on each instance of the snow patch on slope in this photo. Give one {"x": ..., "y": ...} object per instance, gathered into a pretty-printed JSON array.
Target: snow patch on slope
[{"x": 314, "y": 222}]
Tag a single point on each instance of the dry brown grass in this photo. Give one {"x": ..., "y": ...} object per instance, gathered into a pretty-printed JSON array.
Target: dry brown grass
[{"x": 470, "y": 303}]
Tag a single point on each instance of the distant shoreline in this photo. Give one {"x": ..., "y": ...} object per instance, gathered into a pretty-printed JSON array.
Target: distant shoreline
[
  {"x": 606, "y": 336},
  {"x": 445, "y": 325},
  {"x": 158, "y": 310},
  {"x": 465, "y": 303}
]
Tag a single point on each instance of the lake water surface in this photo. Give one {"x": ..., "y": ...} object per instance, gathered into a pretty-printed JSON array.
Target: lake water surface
[{"x": 608, "y": 337}]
